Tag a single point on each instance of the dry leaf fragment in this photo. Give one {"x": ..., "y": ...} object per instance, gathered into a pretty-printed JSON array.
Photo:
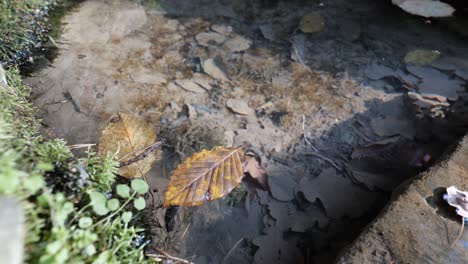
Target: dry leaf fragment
[
  {"x": 130, "y": 136},
  {"x": 458, "y": 199},
  {"x": 205, "y": 176},
  {"x": 254, "y": 168}
]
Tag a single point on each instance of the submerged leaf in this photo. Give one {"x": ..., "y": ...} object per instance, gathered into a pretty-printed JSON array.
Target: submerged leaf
[
  {"x": 205, "y": 176},
  {"x": 129, "y": 136}
]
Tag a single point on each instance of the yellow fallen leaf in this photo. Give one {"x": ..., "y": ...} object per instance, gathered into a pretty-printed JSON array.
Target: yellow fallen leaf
[
  {"x": 130, "y": 136},
  {"x": 205, "y": 176}
]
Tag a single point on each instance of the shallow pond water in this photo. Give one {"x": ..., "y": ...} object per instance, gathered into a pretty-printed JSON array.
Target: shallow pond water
[{"x": 315, "y": 107}]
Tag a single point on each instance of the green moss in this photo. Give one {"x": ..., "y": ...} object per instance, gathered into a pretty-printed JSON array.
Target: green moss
[{"x": 22, "y": 24}]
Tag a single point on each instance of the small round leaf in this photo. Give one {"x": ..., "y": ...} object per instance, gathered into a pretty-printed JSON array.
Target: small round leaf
[
  {"x": 123, "y": 190},
  {"x": 127, "y": 216},
  {"x": 139, "y": 186},
  {"x": 113, "y": 204},
  {"x": 98, "y": 202},
  {"x": 139, "y": 203},
  {"x": 85, "y": 222}
]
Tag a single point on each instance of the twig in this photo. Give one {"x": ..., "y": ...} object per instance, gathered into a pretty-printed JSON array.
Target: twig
[
  {"x": 185, "y": 231},
  {"x": 459, "y": 234},
  {"x": 305, "y": 135},
  {"x": 325, "y": 159},
  {"x": 166, "y": 255},
  {"x": 142, "y": 155},
  {"x": 232, "y": 249},
  {"x": 78, "y": 146}
]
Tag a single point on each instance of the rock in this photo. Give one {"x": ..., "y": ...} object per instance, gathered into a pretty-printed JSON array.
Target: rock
[
  {"x": 202, "y": 80},
  {"x": 281, "y": 183},
  {"x": 421, "y": 57},
  {"x": 377, "y": 72},
  {"x": 3, "y": 80},
  {"x": 267, "y": 31},
  {"x": 229, "y": 138},
  {"x": 350, "y": 30},
  {"x": 339, "y": 196},
  {"x": 239, "y": 106},
  {"x": 391, "y": 126},
  {"x": 222, "y": 29},
  {"x": 425, "y": 8},
  {"x": 215, "y": 69},
  {"x": 237, "y": 43},
  {"x": 436, "y": 83},
  {"x": 210, "y": 39},
  {"x": 11, "y": 231},
  {"x": 190, "y": 86},
  {"x": 191, "y": 112},
  {"x": 417, "y": 226},
  {"x": 311, "y": 23}
]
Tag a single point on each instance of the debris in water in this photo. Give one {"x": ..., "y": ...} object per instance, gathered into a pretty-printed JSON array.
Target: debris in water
[
  {"x": 421, "y": 57},
  {"x": 425, "y": 8},
  {"x": 312, "y": 22}
]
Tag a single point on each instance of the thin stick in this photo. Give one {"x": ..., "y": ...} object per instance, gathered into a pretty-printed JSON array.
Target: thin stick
[
  {"x": 325, "y": 159},
  {"x": 78, "y": 146},
  {"x": 142, "y": 155},
  {"x": 164, "y": 254},
  {"x": 185, "y": 231},
  {"x": 305, "y": 135},
  {"x": 232, "y": 249},
  {"x": 459, "y": 234}
]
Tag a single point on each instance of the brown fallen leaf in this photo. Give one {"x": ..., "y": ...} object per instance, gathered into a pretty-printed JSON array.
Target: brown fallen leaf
[
  {"x": 130, "y": 136},
  {"x": 207, "y": 175},
  {"x": 255, "y": 170}
]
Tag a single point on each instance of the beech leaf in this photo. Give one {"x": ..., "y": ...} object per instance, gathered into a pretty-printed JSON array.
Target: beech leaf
[
  {"x": 129, "y": 136},
  {"x": 205, "y": 176}
]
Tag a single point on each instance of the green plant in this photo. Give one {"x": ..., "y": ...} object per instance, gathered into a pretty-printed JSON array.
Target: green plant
[{"x": 93, "y": 222}]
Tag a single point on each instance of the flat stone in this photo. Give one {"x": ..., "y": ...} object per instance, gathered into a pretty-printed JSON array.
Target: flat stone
[
  {"x": 190, "y": 86},
  {"x": 210, "y": 39},
  {"x": 202, "y": 80},
  {"x": 222, "y": 29},
  {"x": 239, "y": 106},
  {"x": 191, "y": 112},
  {"x": 11, "y": 231},
  {"x": 311, "y": 23},
  {"x": 377, "y": 72},
  {"x": 339, "y": 195},
  {"x": 237, "y": 43},
  {"x": 434, "y": 82},
  {"x": 215, "y": 68},
  {"x": 281, "y": 183}
]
